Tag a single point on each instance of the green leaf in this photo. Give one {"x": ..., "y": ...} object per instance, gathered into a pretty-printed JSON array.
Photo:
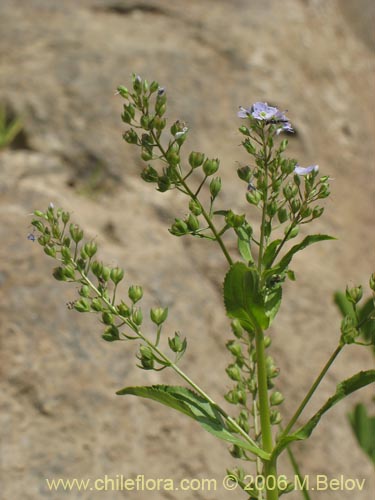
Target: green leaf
[
  {"x": 269, "y": 253},
  {"x": 243, "y": 299},
  {"x": 272, "y": 302},
  {"x": 196, "y": 407},
  {"x": 364, "y": 429},
  {"x": 243, "y": 243},
  {"x": 343, "y": 389},
  {"x": 309, "y": 240}
]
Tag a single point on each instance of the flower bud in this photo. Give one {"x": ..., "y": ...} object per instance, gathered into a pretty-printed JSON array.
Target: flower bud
[
  {"x": 58, "y": 274},
  {"x": 90, "y": 248},
  {"x": 111, "y": 334},
  {"x": 317, "y": 212},
  {"x": 210, "y": 167},
  {"x": 215, "y": 187},
  {"x": 267, "y": 341},
  {"x": 153, "y": 87},
  {"x": 137, "y": 317},
  {"x": 135, "y": 293},
  {"x": 146, "y": 154},
  {"x": 137, "y": 84},
  {"x": 295, "y": 205},
  {"x": 234, "y": 220},
  {"x": 76, "y": 233},
  {"x": 244, "y": 130},
  {"x": 254, "y": 197},
  {"x": 69, "y": 272},
  {"x": 271, "y": 208},
  {"x": 348, "y": 330},
  {"x": 195, "y": 207},
  {"x": 372, "y": 282},
  {"x": 106, "y": 273},
  {"x": 117, "y": 275},
  {"x": 146, "y": 357},
  {"x": 149, "y": 174},
  {"x": 192, "y": 222},
  {"x": 130, "y": 136},
  {"x": 232, "y": 397},
  {"x": 354, "y": 294},
  {"x": 244, "y": 173},
  {"x": 163, "y": 183},
  {"x": 82, "y": 305},
  {"x": 123, "y": 91},
  {"x": 250, "y": 148},
  {"x": 107, "y": 318},
  {"x": 324, "y": 190},
  {"x": 158, "y": 123},
  {"x": 234, "y": 348},
  {"x": 84, "y": 291},
  {"x": 305, "y": 211},
  {"x": 196, "y": 159},
  {"x": 275, "y": 417},
  {"x": 283, "y": 145},
  {"x": 243, "y": 420},
  {"x": 65, "y": 216},
  {"x": 179, "y": 228},
  {"x": 123, "y": 310},
  {"x": 176, "y": 344},
  {"x": 96, "y": 305},
  {"x": 97, "y": 268},
  {"x": 158, "y": 315},
  {"x": 276, "y": 398},
  {"x": 282, "y": 215},
  {"x": 233, "y": 372},
  {"x": 50, "y": 251},
  {"x": 237, "y": 328}
]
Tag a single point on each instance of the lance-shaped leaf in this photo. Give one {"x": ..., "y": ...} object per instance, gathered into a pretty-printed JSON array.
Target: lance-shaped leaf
[
  {"x": 196, "y": 407},
  {"x": 272, "y": 302},
  {"x": 269, "y": 253},
  {"x": 285, "y": 261},
  {"x": 343, "y": 389},
  {"x": 243, "y": 299}
]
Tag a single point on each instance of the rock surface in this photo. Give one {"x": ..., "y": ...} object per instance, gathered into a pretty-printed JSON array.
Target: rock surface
[{"x": 60, "y": 63}]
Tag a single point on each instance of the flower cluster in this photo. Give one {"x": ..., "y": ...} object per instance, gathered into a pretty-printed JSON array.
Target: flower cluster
[{"x": 261, "y": 111}]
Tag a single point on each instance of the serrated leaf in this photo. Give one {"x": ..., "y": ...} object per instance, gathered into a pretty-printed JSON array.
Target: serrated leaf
[
  {"x": 196, "y": 407},
  {"x": 364, "y": 429},
  {"x": 243, "y": 299},
  {"x": 343, "y": 389}
]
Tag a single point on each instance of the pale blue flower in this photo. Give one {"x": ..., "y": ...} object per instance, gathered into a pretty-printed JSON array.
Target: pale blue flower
[
  {"x": 31, "y": 237},
  {"x": 305, "y": 170}
]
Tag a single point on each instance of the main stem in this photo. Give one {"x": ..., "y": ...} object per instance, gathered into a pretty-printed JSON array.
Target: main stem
[
  {"x": 265, "y": 421},
  {"x": 270, "y": 471}
]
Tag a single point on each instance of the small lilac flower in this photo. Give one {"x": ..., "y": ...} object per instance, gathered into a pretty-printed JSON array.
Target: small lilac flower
[
  {"x": 285, "y": 127},
  {"x": 161, "y": 91},
  {"x": 305, "y": 170},
  {"x": 31, "y": 237},
  {"x": 51, "y": 206},
  {"x": 244, "y": 112},
  {"x": 261, "y": 111}
]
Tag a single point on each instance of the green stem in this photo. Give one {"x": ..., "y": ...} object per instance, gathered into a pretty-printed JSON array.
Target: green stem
[
  {"x": 311, "y": 391},
  {"x": 265, "y": 420}
]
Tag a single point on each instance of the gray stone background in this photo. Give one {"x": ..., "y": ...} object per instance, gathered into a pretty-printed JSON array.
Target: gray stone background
[{"x": 60, "y": 63}]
